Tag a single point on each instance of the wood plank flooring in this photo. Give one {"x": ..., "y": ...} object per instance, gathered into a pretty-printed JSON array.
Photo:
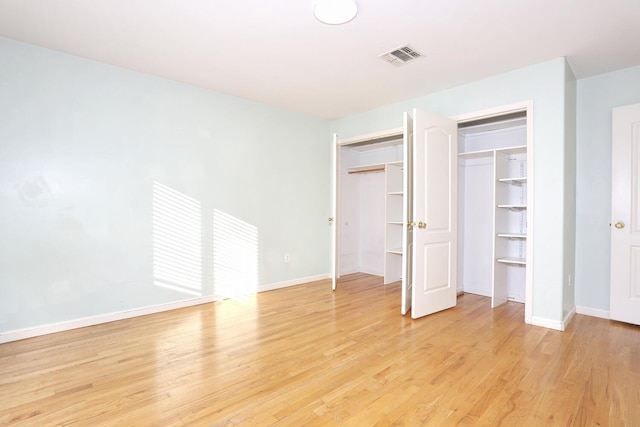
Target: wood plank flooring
[{"x": 305, "y": 356}]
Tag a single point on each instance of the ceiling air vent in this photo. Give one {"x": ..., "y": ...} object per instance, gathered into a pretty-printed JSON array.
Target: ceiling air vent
[{"x": 400, "y": 56}]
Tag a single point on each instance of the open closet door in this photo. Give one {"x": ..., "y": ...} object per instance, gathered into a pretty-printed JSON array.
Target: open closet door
[
  {"x": 435, "y": 152},
  {"x": 333, "y": 218},
  {"x": 407, "y": 213}
]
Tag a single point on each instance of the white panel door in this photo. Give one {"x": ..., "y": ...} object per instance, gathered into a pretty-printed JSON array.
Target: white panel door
[
  {"x": 333, "y": 218},
  {"x": 625, "y": 216},
  {"x": 435, "y": 184},
  {"x": 407, "y": 214}
]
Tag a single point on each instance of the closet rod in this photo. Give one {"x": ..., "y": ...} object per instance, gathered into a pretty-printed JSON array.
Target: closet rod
[{"x": 367, "y": 170}]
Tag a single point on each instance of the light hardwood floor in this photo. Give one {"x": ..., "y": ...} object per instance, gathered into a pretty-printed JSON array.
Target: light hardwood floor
[{"x": 308, "y": 356}]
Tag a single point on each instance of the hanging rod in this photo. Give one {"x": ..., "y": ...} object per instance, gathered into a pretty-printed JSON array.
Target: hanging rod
[{"x": 370, "y": 170}]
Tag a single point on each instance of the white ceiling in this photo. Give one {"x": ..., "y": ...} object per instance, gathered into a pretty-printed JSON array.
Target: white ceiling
[{"x": 274, "y": 51}]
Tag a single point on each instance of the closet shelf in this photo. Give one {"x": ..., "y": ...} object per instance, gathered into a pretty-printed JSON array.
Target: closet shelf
[
  {"x": 397, "y": 251},
  {"x": 395, "y": 222},
  {"x": 514, "y": 181},
  {"x": 512, "y": 236},
  {"x": 475, "y": 154},
  {"x": 513, "y": 260},
  {"x": 518, "y": 149},
  {"x": 515, "y": 207},
  {"x": 395, "y": 193},
  {"x": 484, "y": 153}
]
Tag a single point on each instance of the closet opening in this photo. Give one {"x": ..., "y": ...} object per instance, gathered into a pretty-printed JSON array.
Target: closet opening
[
  {"x": 492, "y": 207},
  {"x": 370, "y": 205}
]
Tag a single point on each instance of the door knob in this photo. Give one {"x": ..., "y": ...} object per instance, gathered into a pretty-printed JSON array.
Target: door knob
[
  {"x": 330, "y": 220},
  {"x": 410, "y": 225},
  {"x": 619, "y": 224},
  {"x": 422, "y": 225}
]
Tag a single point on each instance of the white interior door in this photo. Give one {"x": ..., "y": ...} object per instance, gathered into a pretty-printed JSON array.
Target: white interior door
[
  {"x": 333, "y": 216},
  {"x": 625, "y": 216},
  {"x": 407, "y": 213},
  {"x": 435, "y": 199}
]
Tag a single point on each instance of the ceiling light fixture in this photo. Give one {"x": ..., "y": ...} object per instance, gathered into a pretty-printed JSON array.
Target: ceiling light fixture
[{"x": 335, "y": 12}]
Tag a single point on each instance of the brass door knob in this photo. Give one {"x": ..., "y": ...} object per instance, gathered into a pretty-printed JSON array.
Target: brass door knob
[
  {"x": 410, "y": 225},
  {"x": 619, "y": 224},
  {"x": 422, "y": 225},
  {"x": 330, "y": 220}
]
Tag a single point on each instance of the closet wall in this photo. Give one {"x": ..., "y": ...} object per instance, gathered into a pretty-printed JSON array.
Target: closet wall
[{"x": 475, "y": 224}]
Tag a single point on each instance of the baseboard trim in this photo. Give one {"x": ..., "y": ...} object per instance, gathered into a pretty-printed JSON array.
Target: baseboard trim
[
  {"x": 294, "y": 282},
  {"x": 475, "y": 291},
  {"x": 552, "y": 324},
  {"x": 101, "y": 318},
  {"x": 372, "y": 272},
  {"x": 36, "y": 331},
  {"x": 593, "y": 312},
  {"x": 546, "y": 323},
  {"x": 568, "y": 317}
]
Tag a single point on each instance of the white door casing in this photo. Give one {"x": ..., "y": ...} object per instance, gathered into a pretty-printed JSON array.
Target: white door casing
[
  {"x": 435, "y": 150},
  {"x": 407, "y": 214},
  {"x": 526, "y": 106},
  {"x": 333, "y": 216},
  {"x": 625, "y": 215}
]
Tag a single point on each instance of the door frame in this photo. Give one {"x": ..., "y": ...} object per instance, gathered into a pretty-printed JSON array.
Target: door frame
[
  {"x": 525, "y": 106},
  {"x": 333, "y": 216},
  {"x": 407, "y": 216}
]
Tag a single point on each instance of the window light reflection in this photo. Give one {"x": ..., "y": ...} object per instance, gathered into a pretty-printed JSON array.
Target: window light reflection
[
  {"x": 177, "y": 241},
  {"x": 235, "y": 256}
]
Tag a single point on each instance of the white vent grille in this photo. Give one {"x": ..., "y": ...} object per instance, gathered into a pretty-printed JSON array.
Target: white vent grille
[{"x": 400, "y": 56}]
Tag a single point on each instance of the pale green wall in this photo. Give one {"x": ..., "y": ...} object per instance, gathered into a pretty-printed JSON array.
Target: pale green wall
[
  {"x": 80, "y": 145},
  {"x": 91, "y": 138},
  {"x": 545, "y": 85},
  {"x": 596, "y": 97}
]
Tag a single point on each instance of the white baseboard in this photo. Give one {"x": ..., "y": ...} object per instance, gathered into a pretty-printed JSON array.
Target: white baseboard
[
  {"x": 568, "y": 317},
  {"x": 293, "y": 282},
  {"x": 552, "y": 324},
  {"x": 96, "y": 320},
  {"x": 546, "y": 323},
  {"x": 594, "y": 312},
  {"x": 372, "y": 272},
  {"x": 127, "y": 314},
  {"x": 475, "y": 291}
]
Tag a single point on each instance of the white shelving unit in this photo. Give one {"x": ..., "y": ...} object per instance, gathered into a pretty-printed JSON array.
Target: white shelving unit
[
  {"x": 510, "y": 253},
  {"x": 394, "y": 199}
]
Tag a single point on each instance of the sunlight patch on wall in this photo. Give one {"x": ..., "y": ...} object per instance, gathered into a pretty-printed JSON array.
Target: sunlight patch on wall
[
  {"x": 177, "y": 241},
  {"x": 235, "y": 256}
]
